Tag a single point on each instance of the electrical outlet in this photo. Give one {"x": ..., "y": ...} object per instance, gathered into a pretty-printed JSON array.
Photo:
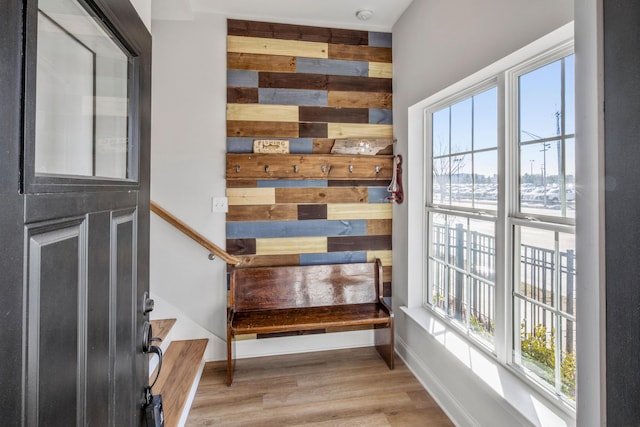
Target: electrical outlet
[{"x": 219, "y": 204}]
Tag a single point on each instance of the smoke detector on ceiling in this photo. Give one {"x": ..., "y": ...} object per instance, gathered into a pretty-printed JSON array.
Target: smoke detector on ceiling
[{"x": 364, "y": 14}]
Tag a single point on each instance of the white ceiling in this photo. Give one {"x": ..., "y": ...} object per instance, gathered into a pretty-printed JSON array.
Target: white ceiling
[{"x": 328, "y": 13}]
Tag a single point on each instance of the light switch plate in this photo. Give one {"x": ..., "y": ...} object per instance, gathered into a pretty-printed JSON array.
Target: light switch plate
[{"x": 219, "y": 204}]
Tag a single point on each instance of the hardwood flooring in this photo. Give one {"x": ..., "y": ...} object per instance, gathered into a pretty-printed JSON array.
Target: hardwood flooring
[{"x": 352, "y": 387}]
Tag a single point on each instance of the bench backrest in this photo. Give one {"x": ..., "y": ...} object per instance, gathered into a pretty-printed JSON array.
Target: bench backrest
[{"x": 255, "y": 288}]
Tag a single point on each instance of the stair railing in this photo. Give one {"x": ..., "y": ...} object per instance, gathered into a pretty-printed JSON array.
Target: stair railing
[{"x": 214, "y": 250}]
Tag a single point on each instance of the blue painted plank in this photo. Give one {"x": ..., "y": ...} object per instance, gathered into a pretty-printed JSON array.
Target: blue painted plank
[
  {"x": 380, "y": 116},
  {"x": 242, "y": 78},
  {"x": 239, "y": 145},
  {"x": 380, "y": 39},
  {"x": 336, "y": 67},
  {"x": 301, "y": 145},
  {"x": 378, "y": 195},
  {"x": 311, "y": 228},
  {"x": 318, "y": 98},
  {"x": 333, "y": 258},
  {"x": 283, "y": 183}
]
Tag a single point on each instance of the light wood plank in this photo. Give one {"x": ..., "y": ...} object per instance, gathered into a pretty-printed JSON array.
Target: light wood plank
[
  {"x": 262, "y": 113},
  {"x": 380, "y": 70},
  {"x": 359, "y": 211},
  {"x": 348, "y": 387},
  {"x": 358, "y": 130},
  {"x": 265, "y": 46},
  {"x": 251, "y": 196},
  {"x": 291, "y": 245},
  {"x": 384, "y": 257}
]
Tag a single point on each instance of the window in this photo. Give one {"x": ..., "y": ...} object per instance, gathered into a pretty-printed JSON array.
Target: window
[
  {"x": 544, "y": 274},
  {"x": 462, "y": 221},
  {"x": 84, "y": 98},
  {"x": 500, "y": 215}
]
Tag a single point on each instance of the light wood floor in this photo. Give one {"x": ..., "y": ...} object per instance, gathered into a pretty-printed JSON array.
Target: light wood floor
[{"x": 350, "y": 387}]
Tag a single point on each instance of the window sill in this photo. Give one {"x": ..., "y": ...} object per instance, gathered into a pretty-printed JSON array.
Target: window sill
[{"x": 527, "y": 401}]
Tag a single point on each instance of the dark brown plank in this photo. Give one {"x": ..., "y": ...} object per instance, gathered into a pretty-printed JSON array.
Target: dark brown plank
[
  {"x": 296, "y": 32},
  {"x": 250, "y": 61},
  {"x": 358, "y": 84},
  {"x": 360, "y": 53},
  {"x": 242, "y": 95},
  {"x": 262, "y": 213},
  {"x": 313, "y": 130},
  {"x": 242, "y": 183},
  {"x": 322, "y": 195},
  {"x": 334, "y": 115},
  {"x": 262, "y": 129},
  {"x": 358, "y": 243},
  {"x": 293, "y": 81},
  {"x": 307, "y": 212},
  {"x": 241, "y": 246}
]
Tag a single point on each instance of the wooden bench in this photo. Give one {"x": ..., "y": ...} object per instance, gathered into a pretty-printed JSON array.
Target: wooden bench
[{"x": 266, "y": 300}]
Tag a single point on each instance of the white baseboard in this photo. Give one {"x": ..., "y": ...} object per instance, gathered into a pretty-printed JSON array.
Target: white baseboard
[{"x": 447, "y": 401}]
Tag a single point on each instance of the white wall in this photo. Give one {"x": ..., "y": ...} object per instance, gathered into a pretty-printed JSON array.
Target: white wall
[
  {"x": 188, "y": 146},
  {"x": 435, "y": 44},
  {"x": 143, "y": 7}
]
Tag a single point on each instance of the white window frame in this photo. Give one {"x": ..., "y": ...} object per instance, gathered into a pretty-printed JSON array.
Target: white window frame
[{"x": 417, "y": 196}]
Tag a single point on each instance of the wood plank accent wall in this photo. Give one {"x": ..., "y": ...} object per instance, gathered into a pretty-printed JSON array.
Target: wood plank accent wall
[{"x": 309, "y": 85}]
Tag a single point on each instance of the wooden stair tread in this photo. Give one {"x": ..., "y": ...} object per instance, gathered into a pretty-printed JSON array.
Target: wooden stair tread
[
  {"x": 180, "y": 365},
  {"x": 161, "y": 327}
]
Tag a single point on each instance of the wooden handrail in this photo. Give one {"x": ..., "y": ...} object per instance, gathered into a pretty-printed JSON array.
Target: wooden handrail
[{"x": 193, "y": 234}]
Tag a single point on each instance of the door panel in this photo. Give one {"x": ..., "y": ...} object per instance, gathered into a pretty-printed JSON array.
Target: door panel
[
  {"x": 123, "y": 244},
  {"x": 98, "y": 315},
  {"x": 56, "y": 289}
]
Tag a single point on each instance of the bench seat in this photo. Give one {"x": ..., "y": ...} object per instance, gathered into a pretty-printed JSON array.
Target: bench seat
[{"x": 304, "y": 319}]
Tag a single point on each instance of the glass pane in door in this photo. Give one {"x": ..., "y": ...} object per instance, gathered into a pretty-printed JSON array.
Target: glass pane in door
[{"x": 82, "y": 95}]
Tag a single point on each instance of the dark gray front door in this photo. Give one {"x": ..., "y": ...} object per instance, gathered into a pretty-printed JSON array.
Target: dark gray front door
[{"x": 74, "y": 212}]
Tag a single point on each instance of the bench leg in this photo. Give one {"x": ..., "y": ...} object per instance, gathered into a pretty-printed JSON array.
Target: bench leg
[
  {"x": 383, "y": 338},
  {"x": 230, "y": 360}
]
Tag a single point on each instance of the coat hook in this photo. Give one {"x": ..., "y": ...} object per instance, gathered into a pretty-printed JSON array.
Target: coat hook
[
  {"x": 266, "y": 169},
  {"x": 377, "y": 169},
  {"x": 237, "y": 168},
  {"x": 295, "y": 168},
  {"x": 324, "y": 168}
]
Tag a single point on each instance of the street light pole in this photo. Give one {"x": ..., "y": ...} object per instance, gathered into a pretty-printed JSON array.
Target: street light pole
[{"x": 545, "y": 146}]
